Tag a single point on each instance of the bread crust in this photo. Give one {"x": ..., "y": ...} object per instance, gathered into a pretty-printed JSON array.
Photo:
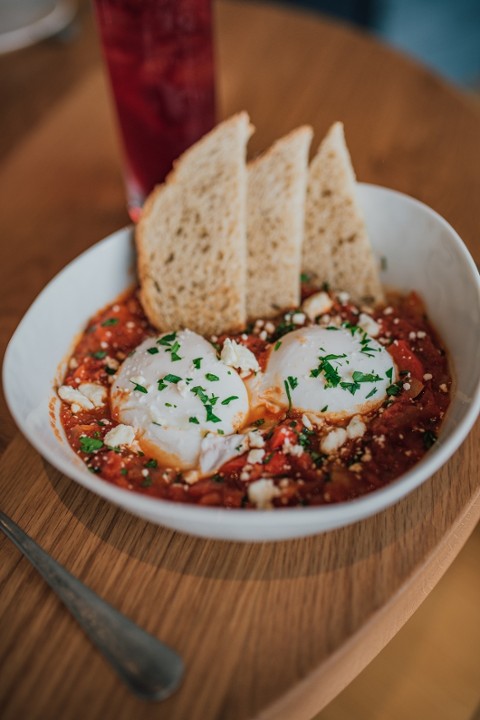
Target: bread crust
[
  {"x": 277, "y": 183},
  {"x": 191, "y": 238},
  {"x": 336, "y": 247}
]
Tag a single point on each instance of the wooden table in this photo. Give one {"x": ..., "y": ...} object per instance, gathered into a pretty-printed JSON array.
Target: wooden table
[{"x": 267, "y": 631}]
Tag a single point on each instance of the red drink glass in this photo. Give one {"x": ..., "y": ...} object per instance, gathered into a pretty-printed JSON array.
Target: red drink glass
[{"x": 159, "y": 55}]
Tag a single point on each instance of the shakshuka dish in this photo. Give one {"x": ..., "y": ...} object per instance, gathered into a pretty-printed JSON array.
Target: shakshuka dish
[
  {"x": 326, "y": 389},
  {"x": 319, "y": 405}
]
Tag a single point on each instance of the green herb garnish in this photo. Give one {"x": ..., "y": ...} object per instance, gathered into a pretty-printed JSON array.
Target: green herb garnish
[
  {"x": 89, "y": 444},
  {"x": 153, "y": 350},
  {"x": 194, "y": 421},
  {"x": 99, "y": 354},
  {"x": 229, "y": 399},
  {"x": 212, "y": 377},
  {"x": 429, "y": 439},
  {"x": 110, "y": 321},
  {"x": 277, "y": 345},
  {"x": 139, "y": 388},
  {"x": 197, "y": 362}
]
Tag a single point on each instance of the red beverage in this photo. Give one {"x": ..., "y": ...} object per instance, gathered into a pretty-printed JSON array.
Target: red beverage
[{"x": 160, "y": 59}]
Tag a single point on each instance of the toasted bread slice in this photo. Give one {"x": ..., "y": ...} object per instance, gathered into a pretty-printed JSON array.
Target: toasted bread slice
[
  {"x": 336, "y": 248},
  {"x": 191, "y": 239},
  {"x": 277, "y": 183}
]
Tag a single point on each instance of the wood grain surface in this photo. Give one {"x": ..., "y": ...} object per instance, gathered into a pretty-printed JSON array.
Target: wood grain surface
[{"x": 272, "y": 630}]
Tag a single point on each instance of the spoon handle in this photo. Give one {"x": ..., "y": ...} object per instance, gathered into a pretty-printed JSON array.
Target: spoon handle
[{"x": 150, "y": 668}]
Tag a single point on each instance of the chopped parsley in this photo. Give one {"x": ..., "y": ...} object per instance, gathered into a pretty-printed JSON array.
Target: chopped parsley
[
  {"x": 124, "y": 471},
  {"x": 109, "y": 321},
  {"x": 171, "y": 345},
  {"x": 217, "y": 478},
  {"x": 151, "y": 463},
  {"x": 277, "y": 345},
  {"x": 207, "y": 402},
  {"x": 429, "y": 439},
  {"x": 372, "y": 392},
  {"x": 89, "y": 444},
  {"x": 109, "y": 370},
  {"x": 389, "y": 374},
  {"x": 146, "y": 482},
  {"x": 194, "y": 421},
  {"x": 139, "y": 388},
  {"x": 324, "y": 408},
  {"x": 304, "y": 277},
  {"x": 287, "y": 390},
  {"x": 228, "y": 400},
  {"x": 292, "y": 381},
  {"x": 212, "y": 377},
  {"x": 172, "y": 378},
  {"x": 99, "y": 354},
  {"x": 259, "y": 422},
  {"x": 197, "y": 363},
  {"x": 365, "y": 377},
  {"x": 167, "y": 339},
  {"x": 393, "y": 389},
  {"x": 153, "y": 350},
  {"x": 332, "y": 377}
]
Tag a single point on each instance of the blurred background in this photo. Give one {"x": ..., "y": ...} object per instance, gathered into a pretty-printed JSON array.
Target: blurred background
[{"x": 431, "y": 669}]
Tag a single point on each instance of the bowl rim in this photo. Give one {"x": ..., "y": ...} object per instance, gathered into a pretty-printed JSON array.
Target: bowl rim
[{"x": 328, "y": 516}]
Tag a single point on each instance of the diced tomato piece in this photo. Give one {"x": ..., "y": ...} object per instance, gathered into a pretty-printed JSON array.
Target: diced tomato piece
[
  {"x": 280, "y": 435},
  {"x": 406, "y": 359},
  {"x": 277, "y": 464}
]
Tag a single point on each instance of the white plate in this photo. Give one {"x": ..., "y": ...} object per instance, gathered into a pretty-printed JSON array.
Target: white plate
[{"x": 421, "y": 251}]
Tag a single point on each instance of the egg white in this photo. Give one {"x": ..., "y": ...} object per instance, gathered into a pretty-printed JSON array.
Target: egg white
[
  {"x": 171, "y": 417},
  {"x": 295, "y": 375}
]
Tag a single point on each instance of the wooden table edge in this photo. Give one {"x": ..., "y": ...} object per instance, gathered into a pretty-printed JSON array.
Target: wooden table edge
[{"x": 320, "y": 687}]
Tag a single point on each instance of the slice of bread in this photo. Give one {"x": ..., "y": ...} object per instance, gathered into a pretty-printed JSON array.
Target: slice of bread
[
  {"x": 277, "y": 184},
  {"x": 336, "y": 247},
  {"x": 191, "y": 238}
]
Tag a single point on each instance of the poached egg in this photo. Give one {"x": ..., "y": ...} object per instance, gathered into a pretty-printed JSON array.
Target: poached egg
[
  {"x": 330, "y": 373},
  {"x": 174, "y": 391}
]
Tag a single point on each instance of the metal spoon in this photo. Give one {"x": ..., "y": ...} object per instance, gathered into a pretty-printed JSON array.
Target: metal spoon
[{"x": 149, "y": 668}]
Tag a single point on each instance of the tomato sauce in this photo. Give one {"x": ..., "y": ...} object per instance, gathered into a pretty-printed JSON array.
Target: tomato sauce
[{"x": 397, "y": 436}]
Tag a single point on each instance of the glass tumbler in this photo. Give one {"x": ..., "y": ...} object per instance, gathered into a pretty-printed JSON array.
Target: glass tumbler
[{"x": 159, "y": 55}]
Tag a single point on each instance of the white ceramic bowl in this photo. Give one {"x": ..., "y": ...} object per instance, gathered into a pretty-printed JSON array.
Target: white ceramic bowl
[{"x": 421, "y": 251}]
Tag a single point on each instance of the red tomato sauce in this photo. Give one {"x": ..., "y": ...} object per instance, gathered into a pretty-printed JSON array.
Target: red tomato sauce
[{"x": 398, "y": 434}]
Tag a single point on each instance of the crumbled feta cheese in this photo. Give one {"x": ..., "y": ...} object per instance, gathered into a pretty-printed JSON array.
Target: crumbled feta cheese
[
  {"x": 263, "y": 335},
  {"x": 269, "y": 327},
  {"x": 443, "y": 388},
  {"x": 317, "y": 304},
  {"x": 356, "y": 427},
  {"x": 388, "y": 311},
  {"x": 216, "y": 450},
  {"x": 428, "y": 376},
  {"x": 343, "y": 297},
  {"x": 255, "y": 439},
  {"x": 145, "y": 472},
  {"x": 412, "y": 335},
  {"x": 255, "y": 456},
  {"x": 191, "y": 477},
  {"x": 368, "y": 324},
  {"x": 111, "y": 363},
  {"x": 74, "y": 397},
  {"x": 421, "y": 334},
  {"x": 333, "y": 440},
  {"x": 73, "y": 364},
  {"x": 292, "y": 449},
  {"x": 406, "y": 386},
  {"x": 239, "y": 357},
  {"x": 262, "y": 492},
  {"x": 307, "y": 422},
  {"x": 298, "y": 318},
  {"x": 94, "y": 392},
  {"x": 120, "y": 435},
  {"x": 130, "y": 324}
]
